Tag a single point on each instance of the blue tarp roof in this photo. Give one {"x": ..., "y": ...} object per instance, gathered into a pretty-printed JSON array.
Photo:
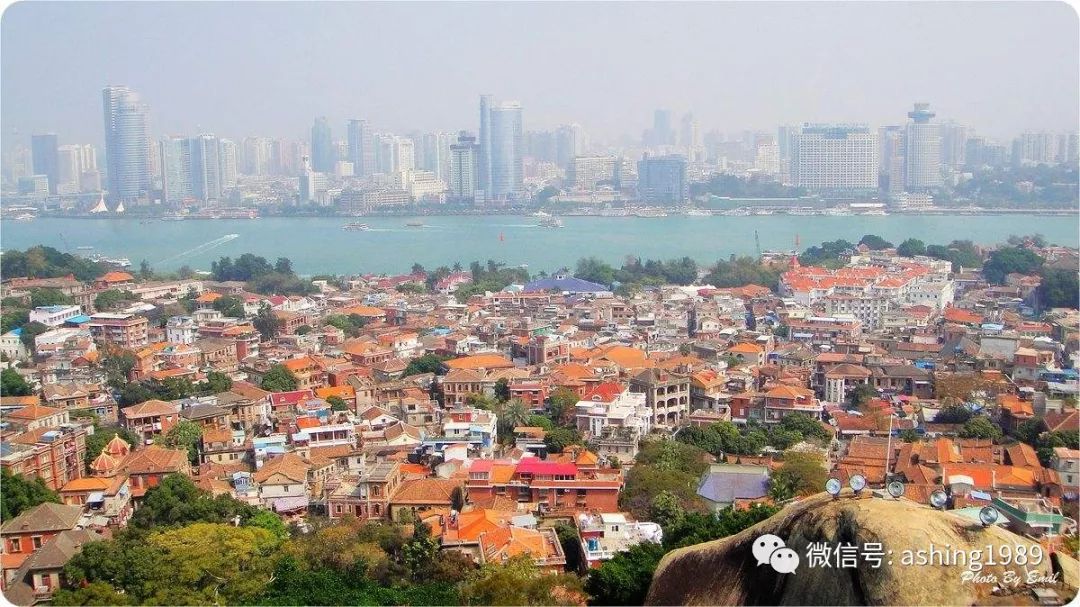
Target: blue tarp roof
[{"x": 77, "y": 320}]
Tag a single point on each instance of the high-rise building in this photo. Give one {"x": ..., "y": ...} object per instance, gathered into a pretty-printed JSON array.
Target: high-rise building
[
  {"x": 433, "y": 154},
  {"x": 569, "y": 144},
  {"x": 205, "y": 167},
  {"x": 322, "y": 146},
  {"x": 588, "y": 173},
  {"x": 464, "y": 160},
  {"x": 785, "y": 139},
  {"x": 662, "y": 179},
  {"x": 483, "y": 172},
  {"x": 922, "y": 151},
  {"x": 662, "y": 132},
  {"x": 361, "y": 148},
  {"x": 541, "y": 145},
  {"x": 175, "y": 168},
  {"x": 1030, "y": 149},
  {"x": 127, "y": 143},
  {"x": 45, "y": 152},
  {"x": 835, "y": 158},
  {"x": 954, "y": 145},
  {"x": 506, "y": 152},
  {"x": 69, "y": 169},
  {"x": 891, "y": 163},
  {"x": 228, "y": 164},
  {"x": 766, "y": 155}
]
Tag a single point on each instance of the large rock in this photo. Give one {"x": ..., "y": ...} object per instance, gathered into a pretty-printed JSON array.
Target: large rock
[{"x": 725, "y": 572}]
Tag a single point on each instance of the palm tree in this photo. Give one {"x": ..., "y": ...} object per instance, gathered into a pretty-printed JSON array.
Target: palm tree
[{"x": 512, "y": 414}]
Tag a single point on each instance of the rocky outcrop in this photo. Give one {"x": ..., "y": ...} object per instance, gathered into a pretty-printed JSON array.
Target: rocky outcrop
[{"x": 725, "y": 572}]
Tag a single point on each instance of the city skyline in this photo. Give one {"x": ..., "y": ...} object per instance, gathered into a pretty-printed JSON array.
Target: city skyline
[{"x": 254, "y": 90}]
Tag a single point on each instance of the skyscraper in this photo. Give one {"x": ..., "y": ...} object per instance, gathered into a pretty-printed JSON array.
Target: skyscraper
[
  {"x": 322, "y": 146},
  {"x": 840, "y": 158},
  {"x": 228, "y": 164},
  {"x": 506, "y": 152},
  {"x": 127, "y": 144},
  {"x": 922, "y": 151},
  {"x": 483, "y": 171},
  {"x": 175, "y": 168},
  {"x": 46, "y": 157},
  {"x": 205, "y": 167},
  {"x": 361, "y": 148},
  {"x": 69, "y": 169},
  {"x": 569, "y": 144},
  {"x": 663, "y": 179},
  {"x": 433, "y": 154},
  {"x": 463, "y": 167},
  {"x": 662, "y": 133}
]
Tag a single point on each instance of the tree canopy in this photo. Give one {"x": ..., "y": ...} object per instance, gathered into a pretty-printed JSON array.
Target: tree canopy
[
  {"x": 18, "y": 494},
  {"x": 279, "y": 379}
]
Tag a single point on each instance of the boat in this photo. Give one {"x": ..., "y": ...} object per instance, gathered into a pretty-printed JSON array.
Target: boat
[
  {"x": 414, "y": 224},
  {"x": 356, "y": 227},
  {"x": 24, "y": 217},
  {"x": 551, "y": 222},
  {"x": 173, "y": 218},
  {"x": 541, "y": 214},
  {"x": 697, "y": 213}
]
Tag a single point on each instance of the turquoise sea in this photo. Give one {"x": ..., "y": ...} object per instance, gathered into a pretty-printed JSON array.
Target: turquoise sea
[{"x": 319, "y": 245}]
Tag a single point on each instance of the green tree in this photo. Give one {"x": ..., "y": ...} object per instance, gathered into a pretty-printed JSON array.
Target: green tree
[
  {"x": 209, "y": 563},
  {"x": 216, "y": 383},
  {"x": 1009, "y": 260},
  {"x": 30, "y": 331},
  {"x": 666, "y": 509},
  {"x": 909, "y": 435},
  {"x": 802, "y": 473},
  {"x": 265, "y": 519},
  {"x": 783, "y": 439},
  {"x": 457, "y": 499},
  {"x": 953, "y": 414},
  {"x": 594, "y": 270},
  {"x": 428, "y": 363},
  {"x": 558, "y": 439},
  {"x": 862, "y": 394},
  {"x": 230, "y": 305},
  {"x": 1060, "y": 288},
  {"x": 980, "y": 426},
  {"x": 18, "y": 494},
  {"x": 176, "y": 501},
  {"x": 279, "y": 379},
  {"x": 94, "y": 593},
  {"x": 624, "y": 580},
  {"x": 805, "y": 425},
  {"x": 562, "y": 404},
  {"x": 875, "y": 242},
  {"x": 912, "y": 247},
  {"x": 13, "y": 384},
  {"x": 48, "y": 297},
  {"x": 113, "y": 299},
  {"x": 265, "y": 322},
  {"x": 337, "y": 403},
  {"x": 350, "y": 324},
  {"x": 502, "y": 389},
  {"x": 518, "y": 581},
  {"x": 186, "y": 435}
]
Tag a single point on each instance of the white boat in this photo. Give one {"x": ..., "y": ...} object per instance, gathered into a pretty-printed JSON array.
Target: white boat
[
  {"x": 551, "y": 222},
  {"x": 356, "y": 227},
  {"x": 698, "y": 213},
  {"x": 541, "y": 214},
  {"x": 875, "y": 213},
  {"x": 24, "y": 217}
]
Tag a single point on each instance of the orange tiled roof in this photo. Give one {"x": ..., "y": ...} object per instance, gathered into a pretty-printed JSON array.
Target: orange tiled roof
[
  {"x": 111, "y": 277},
  {"x": 480, "y": 361}
]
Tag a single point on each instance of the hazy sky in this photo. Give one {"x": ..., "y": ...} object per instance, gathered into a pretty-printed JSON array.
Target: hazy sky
[{"x": 246, "y": 68}]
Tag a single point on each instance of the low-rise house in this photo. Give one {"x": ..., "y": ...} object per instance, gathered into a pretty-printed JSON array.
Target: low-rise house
[
  {"x": 53, "y": 454},
  {"x": 365, "y": 495},
  {"x": 551, "y": 486},
  {"x": 34, "y": 528},
  {"x": 283, "y": 483},
  {"x": 150, "y": 419},
  {"x": 724, "y": 485},
  {"x": 605, "y": 534},
  {"x": 42, "y": 574}
]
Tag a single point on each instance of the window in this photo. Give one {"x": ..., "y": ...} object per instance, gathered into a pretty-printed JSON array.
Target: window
[
  {"x": 15, "y": 544},
  {"x": 36, "y": 541}
]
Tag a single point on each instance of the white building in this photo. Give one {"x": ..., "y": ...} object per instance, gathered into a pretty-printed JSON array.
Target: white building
[
  {"x": 922, "y": 150},
  {"x": 181, "y": 330},
  {"x": 835, "y": 158},
  {"x": 54, "y": 316}
]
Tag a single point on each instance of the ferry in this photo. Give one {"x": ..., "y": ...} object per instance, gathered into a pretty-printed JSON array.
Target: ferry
[
  {"x": 414, "y": 224},
  {"x": 541, "y": 214},
  {"x": 551, "y": 222},
  {"x": 356, "y": 227},
  {"x": 24, "y": 217}
]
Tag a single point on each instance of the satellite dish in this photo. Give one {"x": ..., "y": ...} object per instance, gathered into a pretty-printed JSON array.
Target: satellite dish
[
  {"x": 939, "y": 499},
  {"x": 895, "y": 489},
  {"x": 857, "y": 482},
  {"x": 833, "y": 487},
  {"x": 988, "y": 515}
]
